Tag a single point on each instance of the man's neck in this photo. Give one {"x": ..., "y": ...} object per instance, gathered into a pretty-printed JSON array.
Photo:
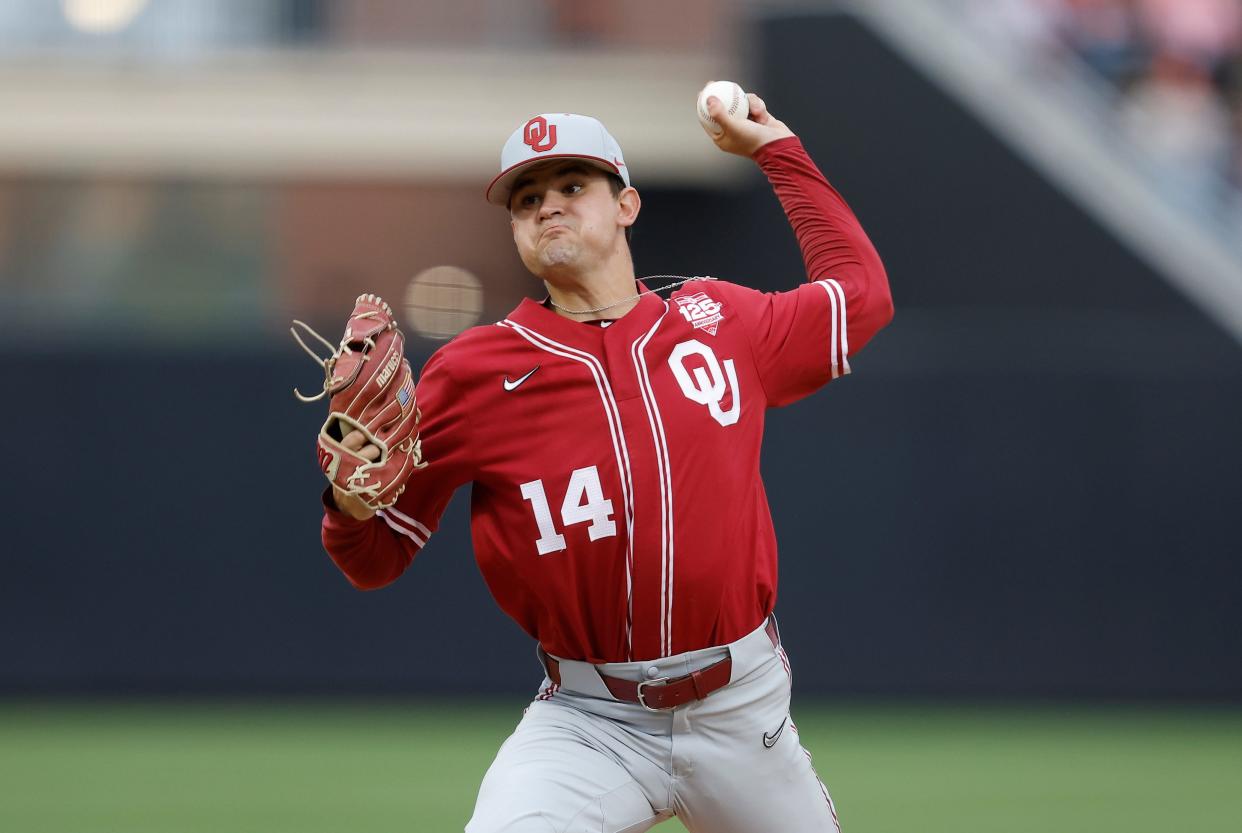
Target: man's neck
[{"x": 599, "y": 295}]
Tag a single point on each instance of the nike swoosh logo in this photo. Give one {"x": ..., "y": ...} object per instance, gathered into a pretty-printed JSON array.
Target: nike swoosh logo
[
  {"x": 509, "y": 385},
  {"x": 770, "y": 740}
]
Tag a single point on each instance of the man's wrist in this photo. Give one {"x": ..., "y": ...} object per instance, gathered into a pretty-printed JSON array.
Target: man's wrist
[
  {"x": 337, "y": 511},
  {"x": 771, "y": 146},
  {"x": 328, "y": 499}
]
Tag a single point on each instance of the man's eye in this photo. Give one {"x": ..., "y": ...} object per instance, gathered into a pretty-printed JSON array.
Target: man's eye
[
  {"x": 573, "y": 188},
  {"x": 528, "y": 199}
]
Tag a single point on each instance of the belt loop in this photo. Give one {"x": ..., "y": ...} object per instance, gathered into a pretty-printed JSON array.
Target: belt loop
[
  {"x": 550, "y": 666},
  {"x": 774, "y": 631},
  {"x": 694, "y": 681}
]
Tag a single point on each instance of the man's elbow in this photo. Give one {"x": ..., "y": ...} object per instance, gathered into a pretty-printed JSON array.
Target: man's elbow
[
  {"x": 884, "y": 313},
  {"x": 874, "y": 315},
  {"x": 370, "y": 582},
  {"x": 880, "y": 306},
  {"x": 371, "y": 573}
]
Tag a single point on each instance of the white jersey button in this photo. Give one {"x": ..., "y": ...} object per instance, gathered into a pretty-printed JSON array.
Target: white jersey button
[{"x": 653, "y": 671}]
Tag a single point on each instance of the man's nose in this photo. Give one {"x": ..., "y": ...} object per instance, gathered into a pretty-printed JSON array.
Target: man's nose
[{"x": 551, "y": 205}]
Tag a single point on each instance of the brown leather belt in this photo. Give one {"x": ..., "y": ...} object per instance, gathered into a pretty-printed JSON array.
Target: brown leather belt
[{"x": 662, "y": 692}]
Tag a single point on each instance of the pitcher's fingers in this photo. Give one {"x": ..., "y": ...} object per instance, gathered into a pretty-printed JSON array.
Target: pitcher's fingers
[
  {"x": 357, "y": 441},
  {"x": 758, "y": 110}
]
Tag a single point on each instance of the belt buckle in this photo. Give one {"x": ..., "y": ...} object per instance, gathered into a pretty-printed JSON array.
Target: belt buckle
[{"x": 641, "y": 700}]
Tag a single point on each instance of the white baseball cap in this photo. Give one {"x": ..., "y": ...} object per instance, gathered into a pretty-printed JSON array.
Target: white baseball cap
[{"x": 556, "y": 136}]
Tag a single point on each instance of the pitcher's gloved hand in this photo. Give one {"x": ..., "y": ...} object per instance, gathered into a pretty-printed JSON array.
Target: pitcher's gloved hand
[{"x": 371, "y": 389}]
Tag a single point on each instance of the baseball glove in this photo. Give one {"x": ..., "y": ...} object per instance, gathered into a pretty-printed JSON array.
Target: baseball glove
[{"x": 370, "y": 389}]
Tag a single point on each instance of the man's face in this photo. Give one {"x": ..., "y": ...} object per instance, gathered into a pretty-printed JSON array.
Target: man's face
[{"x": 564, "y": 218}]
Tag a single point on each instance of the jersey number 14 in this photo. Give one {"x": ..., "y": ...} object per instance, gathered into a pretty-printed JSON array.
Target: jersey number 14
[{"x": 584, "y": 501}]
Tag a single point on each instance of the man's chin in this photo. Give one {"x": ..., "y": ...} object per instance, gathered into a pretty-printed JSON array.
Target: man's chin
[{"x": 558, "y": 257}]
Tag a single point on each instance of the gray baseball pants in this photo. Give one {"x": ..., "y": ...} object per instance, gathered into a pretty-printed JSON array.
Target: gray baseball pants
[{"x": 582, "y": 762}]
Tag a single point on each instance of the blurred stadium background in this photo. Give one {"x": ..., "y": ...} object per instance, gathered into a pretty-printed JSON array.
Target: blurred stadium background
[{"x": 1010, "y": 572}]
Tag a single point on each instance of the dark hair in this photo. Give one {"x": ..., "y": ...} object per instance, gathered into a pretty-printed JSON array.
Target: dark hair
[{"x": 617, "y": 184}]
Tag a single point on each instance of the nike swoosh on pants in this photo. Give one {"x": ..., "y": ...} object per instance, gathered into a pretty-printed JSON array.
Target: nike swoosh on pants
[{"x": 769, "y": 740}]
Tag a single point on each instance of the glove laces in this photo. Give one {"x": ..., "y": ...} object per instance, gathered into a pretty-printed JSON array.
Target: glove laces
[{"x": 334, "y": 353}]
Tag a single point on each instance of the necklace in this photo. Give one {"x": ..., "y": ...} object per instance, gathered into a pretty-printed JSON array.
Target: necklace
[{"x": 683, "y": 280}]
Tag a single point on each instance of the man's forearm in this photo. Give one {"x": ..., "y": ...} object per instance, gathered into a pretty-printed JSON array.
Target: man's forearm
[
  {"x": 366, "y": 551},
  {"x": 832, "y": 240}
]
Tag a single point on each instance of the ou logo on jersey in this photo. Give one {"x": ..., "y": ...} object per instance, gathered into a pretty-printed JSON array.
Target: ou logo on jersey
[{"x": 707, "y": 385}]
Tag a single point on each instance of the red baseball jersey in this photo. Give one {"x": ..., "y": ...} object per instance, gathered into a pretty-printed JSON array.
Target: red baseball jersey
[{"x": 617, "y": 509}]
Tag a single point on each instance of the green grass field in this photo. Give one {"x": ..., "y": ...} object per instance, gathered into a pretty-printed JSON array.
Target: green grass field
[{"x": 349, "y": 767}]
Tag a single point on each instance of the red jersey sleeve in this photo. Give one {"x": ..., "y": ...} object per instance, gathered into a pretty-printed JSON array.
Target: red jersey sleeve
[
  {"x": 373, "y": 553},
  {"x": 804, "y": 338}
]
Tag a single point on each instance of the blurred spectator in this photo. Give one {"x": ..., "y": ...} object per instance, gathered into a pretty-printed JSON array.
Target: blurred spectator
[
  {"x": 1106, "y": 35},
  {"x": 1207, "y": 32},
  {"x": 1176, "y": 66},
  {"x": 1177, "y": 116},
  {"x": 1231, "y": 83}
]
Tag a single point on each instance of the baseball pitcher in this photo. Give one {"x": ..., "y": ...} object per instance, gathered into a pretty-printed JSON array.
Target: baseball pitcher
[{"x": 611, "y": 438}]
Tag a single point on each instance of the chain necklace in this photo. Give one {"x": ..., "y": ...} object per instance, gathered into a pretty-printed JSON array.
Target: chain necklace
[{"x": 683, "y": 280}]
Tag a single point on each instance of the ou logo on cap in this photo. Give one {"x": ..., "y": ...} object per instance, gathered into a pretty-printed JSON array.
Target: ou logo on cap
[{"x": 540, "y": 135}]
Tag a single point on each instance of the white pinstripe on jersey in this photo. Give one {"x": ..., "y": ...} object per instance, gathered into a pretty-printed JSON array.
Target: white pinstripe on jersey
[{"x": 666, "y": 485}]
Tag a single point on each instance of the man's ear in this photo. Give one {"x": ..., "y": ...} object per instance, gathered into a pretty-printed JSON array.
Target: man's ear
[{"x": 629, "y": 203}]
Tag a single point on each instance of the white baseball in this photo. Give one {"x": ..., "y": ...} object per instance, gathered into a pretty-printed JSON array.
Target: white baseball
[{"x": 731, "y": 96}]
